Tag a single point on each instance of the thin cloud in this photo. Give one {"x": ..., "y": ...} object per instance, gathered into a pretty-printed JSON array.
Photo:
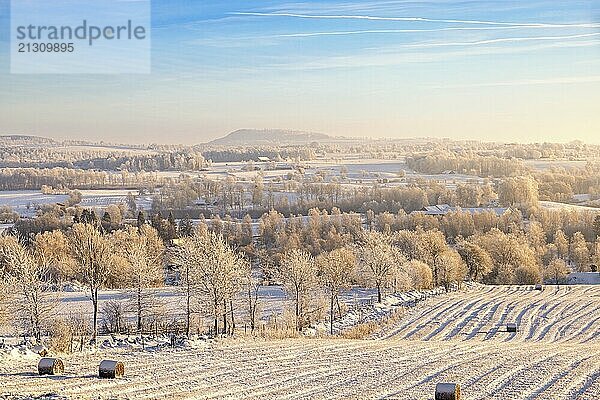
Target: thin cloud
[
  {"x": 503, "y": 40},
  {"x": 383, "y": 31},
  {"x": 528, "y": 82},
  {"x": 415, "y": 19},
  {"x": 392, "y": 56}
]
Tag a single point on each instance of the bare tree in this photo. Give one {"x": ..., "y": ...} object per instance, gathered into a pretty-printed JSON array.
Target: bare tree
[
  {"x": 379, "y": 261},
  {"x": 186, "y": 259},
  {"x": 93, "y": 255},
  {"x": 113, "y": 315},
  {"x": 252, "y": 285},
  {"x": 556, "y": 271},
  {"x": 297, "y": 272},
  {"x": 336, "y": 270},
  {"x": 143, "y": 251},
  {"x": 214, "y": 271},
  {"x": 29, "y": 278}
]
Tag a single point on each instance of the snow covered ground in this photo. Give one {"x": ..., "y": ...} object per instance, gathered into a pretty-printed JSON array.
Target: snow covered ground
[
  {"x": 456, "y": 337},
  {"x": 25, "y": 202},
  {"x": 325, "y": 369},
  {"x": 557, "y": 314},
  {"x": 584, "y": 278},
  {"x": 272, "y": 300},
  {"x": 552, "y": 205}
]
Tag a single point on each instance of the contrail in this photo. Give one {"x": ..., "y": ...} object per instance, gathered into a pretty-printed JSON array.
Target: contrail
[
  {"x": 375, "y": 31},
  {"x": 501, "y": 40},
  {"x": 416, "y": 19}
]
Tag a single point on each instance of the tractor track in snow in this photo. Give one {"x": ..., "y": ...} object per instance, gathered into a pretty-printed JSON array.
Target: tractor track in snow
[{"x": 457, "y": 337}]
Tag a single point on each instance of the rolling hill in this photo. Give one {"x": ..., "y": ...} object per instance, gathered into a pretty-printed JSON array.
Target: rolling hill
[{"x": 254, "y": 137}]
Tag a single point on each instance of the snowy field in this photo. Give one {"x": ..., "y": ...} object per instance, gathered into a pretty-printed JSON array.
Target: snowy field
[
  {"x": 27, "y": 202},
  {"x": 456, "y": 337},
  {"x": 552, "y": 205},
  {"x": 543, "y": 165},
  {"x": 99, "y": 199},
  {"x": 359, "y": 171},
  {"x": 557, "y": 314},
  {"x": 272, "y": 300},
  {"x": 326, "y": 369}
]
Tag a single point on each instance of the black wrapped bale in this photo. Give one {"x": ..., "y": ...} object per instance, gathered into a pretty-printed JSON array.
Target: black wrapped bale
[
  {"x": 110, "y": 369},
  {"x": 447, "y": 391},
  {"x": 538, "y": 287},
  {"x": 511, "y": 327},
  {"x": 51, "y": 366}
]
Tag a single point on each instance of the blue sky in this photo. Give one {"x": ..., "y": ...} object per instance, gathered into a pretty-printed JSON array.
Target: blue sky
[{"x": 490, "y": 70}]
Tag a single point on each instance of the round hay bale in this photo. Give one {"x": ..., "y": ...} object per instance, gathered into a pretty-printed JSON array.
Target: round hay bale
[
  {"x": 511, "y": 327},
  {"x": 51, "y": 366},
  {"x": 447, "y": 391},
  {"x": 110, "y": 369}
]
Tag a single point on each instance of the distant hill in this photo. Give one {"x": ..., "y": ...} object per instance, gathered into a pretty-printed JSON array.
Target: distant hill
[
  {"x": 252, "y": 137},
  {"x": 16, "y": 140}
]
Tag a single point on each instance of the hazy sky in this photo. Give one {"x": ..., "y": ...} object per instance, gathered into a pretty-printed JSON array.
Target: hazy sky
[{"x": 493, "y": 70}]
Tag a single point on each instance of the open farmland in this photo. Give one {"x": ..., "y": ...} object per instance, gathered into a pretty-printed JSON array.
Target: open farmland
[
  {"x": 554, "y": 355},
  {"x": 556, "y": 314}
]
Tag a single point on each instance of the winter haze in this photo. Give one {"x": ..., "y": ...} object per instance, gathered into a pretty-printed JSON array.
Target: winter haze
[{"x": 490, "y": 70}]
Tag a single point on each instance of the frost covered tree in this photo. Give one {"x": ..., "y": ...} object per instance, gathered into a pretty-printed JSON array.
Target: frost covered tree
[
  {"x": 478, "y": 261},
  {"x": 597, "y": 225},
  {"x": 421, "y": 275},
  {"x": 379, "y": 261},
  {"x": 252, "y": 285},
  {"x": 519, "y": 191},
  {"x": 596, "y": 252},
  {"x": 52, "y": 249},
  {"x": 508, "y": 252},
  {"x": 5, "y": 300},
  {"x": 528, "y": 274},
  {"x": 213, "y": 271},
  {"x": 562, "y": 244},
  {"x": 297, "y": 273},
  {"x": 28, "y": 277},
  {"x": 450, "y": 268},
  {"x": 556, "y": 271},
  {"x": 579, "y": 252},
  {"x": 335, "y": 271},
  {"x": 430, "y": 246},
  {"x": 184, "y": 258},
  {"x": 143, "y": 251},
  {"x": 93, "y": 255}
]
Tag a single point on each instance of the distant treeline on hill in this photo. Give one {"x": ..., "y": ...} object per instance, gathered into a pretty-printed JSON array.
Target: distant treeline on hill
[
  {"x": 252, "y": 154},
  {"x": 178, "y": 161}
]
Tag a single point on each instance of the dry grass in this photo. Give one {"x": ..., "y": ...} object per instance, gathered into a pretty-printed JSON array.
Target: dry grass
[
  {"x": 361, "y": 331},
  {"x": 364, "y": 330},
  {"x": 279, "y": 333},
  {"x": 61, "y": 339}
]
